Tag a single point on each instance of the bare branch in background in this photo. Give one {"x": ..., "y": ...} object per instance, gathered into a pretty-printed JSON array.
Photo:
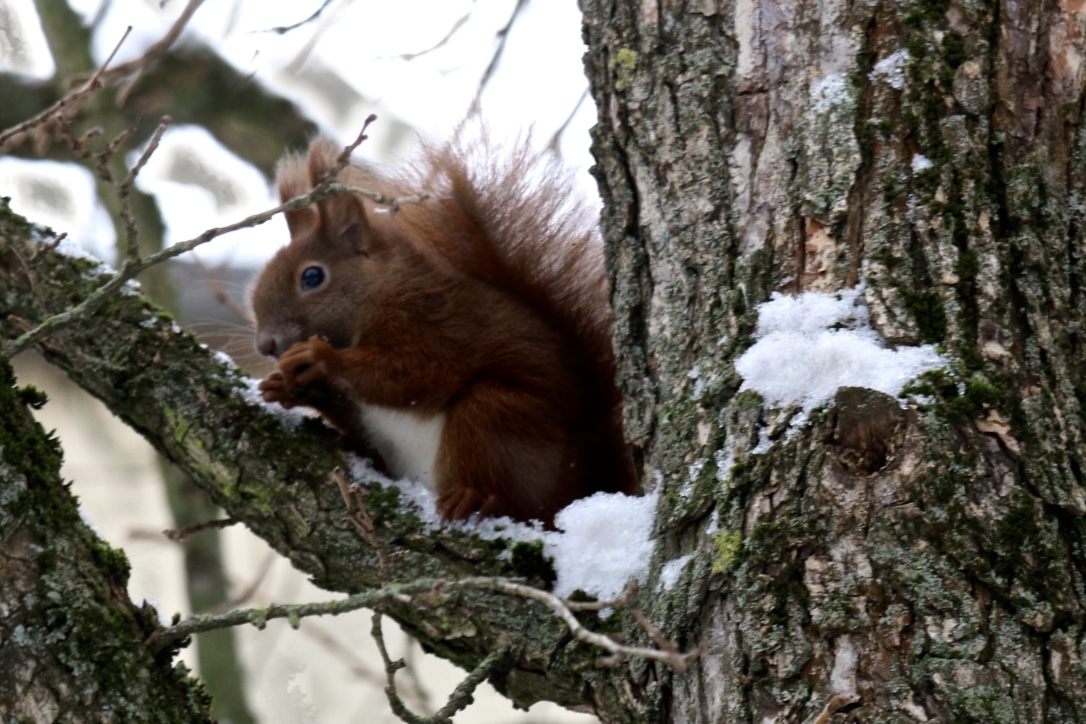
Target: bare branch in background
[
  {"x": 181, "y": 534},
  {"x": 12, "y": 136},
  {"x": 332, "y": 643},
  {"x": 131, "y": 232},
  {"x": 102, "y": 77},
  {"x": 136, "y": 68},
  {"x": 556, "y": 139},
  {"x": 445, "y": 40},
  {"x": 249, "y": 591},
  {"x": 303, "y": 54},
  {"x": 503, "y": 36},
  {"x": 284, "y": 29}
]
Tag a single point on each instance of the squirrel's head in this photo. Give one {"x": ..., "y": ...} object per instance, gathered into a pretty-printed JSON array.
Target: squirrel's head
[{"x": 315, "y": 286}]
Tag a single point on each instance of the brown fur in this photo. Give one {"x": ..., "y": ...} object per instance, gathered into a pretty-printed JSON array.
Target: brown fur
[{"x": 487, "y": 302}]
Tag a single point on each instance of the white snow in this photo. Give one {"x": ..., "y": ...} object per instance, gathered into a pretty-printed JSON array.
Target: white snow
[
  {"x": 694, "y": 470},
  {"x": 891, "y": 69},
  {"x": 68, "y": 247},
  {"x": 921, "y": 162},
  {"x": 669, "y": 574},
  {"x": 291, "y": 418},
  {"x": 602, "y": 541},
  {"x": 810, "y": 345},
  {"x": 700, "y": 383},
  {"x": 90, "y": 523},
  {"x": 130, "y": 288},
  {"x": 224, "y": 359}
]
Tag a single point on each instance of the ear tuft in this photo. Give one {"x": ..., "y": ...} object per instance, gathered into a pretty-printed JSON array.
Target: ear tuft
[
  {"x": 323, "y": 156},
  {"x": 292, "y": 178}
]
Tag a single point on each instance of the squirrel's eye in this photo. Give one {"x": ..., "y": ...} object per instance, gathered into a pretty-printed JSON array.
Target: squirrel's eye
[{"x": 312, "y": 277}]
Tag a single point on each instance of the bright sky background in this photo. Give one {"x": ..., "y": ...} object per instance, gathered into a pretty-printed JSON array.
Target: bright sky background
[{"x": 536, "y": 86}]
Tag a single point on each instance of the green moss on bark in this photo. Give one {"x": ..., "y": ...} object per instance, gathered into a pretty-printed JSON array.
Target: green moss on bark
[{"x": 74, "y": 627}]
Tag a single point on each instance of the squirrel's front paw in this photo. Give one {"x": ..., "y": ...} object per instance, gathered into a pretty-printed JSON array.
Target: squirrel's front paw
[
  {"x": 306, "y": 363},
  {"x": 302, "y": 374},
  {"x": 273, "y": 388}
]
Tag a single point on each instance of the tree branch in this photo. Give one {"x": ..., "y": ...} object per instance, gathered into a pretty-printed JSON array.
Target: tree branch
[
  {"x": 13, "y": 135},
  {"x": 273, "y": 475}
]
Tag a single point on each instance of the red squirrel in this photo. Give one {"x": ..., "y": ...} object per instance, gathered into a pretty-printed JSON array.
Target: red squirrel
[{"x": 464, "y": 338}]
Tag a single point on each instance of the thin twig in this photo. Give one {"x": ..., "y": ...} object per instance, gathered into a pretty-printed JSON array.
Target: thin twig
[
  {"x": 131, "y": 268},
  {"x": 284, "y": 29},
  {"x": 624, "y": 597},
  {"x": 397, "y": 705},
  {"x": 93, "y": 83},
  {"x": 355, "y": 502},
  {"x": 182, "y": 534},
  {"x": 561, "y": 608},
  {"x": 503, "y": 37},
  {"x": 834, "y": 705},
  {"x": 462, "y": 694},
  {"x": 131, "y": 231},
  {"x": 444, "y": 41},
  {"x": 344, "y": 157},
  {"x": 554, "y": 144},
  {"x": 79, "y": 145},
  {"x": 47, "y": 247},
  {"x": 403, "y": 592},
  {"x": 136, "y": 68},
  {"x": 676, "y": 660},
  {"x": 459, "y": 699}
]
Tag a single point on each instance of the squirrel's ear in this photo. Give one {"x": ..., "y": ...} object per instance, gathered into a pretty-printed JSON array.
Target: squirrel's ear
[
  {"x": 343, "y": 219},
  {"x": 292, "y": 177}
]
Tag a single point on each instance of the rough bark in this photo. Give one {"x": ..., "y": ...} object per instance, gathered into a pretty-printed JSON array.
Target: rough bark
[
  {"x": 71, "y": 642},
  {"x": 924, "y": 564}
]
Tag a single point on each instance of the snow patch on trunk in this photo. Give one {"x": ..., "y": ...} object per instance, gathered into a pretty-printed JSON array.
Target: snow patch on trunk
[{"x": 810, "y": 345}]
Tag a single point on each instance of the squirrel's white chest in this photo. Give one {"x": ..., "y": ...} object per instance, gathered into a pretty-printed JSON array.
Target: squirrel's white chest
[{"x": 407, "y": 441}]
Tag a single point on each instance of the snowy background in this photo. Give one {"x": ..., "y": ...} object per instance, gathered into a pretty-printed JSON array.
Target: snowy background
[{"x": 397, "y": 60}]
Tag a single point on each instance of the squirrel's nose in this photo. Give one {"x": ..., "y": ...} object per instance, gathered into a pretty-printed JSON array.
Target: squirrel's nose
[{"x": 267, "y": 345}]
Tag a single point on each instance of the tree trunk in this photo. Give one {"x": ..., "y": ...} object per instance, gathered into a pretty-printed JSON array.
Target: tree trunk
[
  {"x": 897, "y": 565},
  {"x": 71, "y": 642}
]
